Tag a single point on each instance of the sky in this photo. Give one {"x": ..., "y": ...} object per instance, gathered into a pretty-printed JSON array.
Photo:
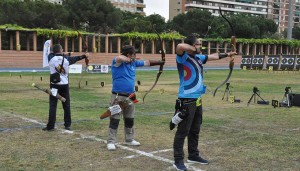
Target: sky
[{"x": 160, "y": 7}]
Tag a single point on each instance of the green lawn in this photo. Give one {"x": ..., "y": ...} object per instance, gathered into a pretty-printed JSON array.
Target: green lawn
[{"x": 233, "y": 136}]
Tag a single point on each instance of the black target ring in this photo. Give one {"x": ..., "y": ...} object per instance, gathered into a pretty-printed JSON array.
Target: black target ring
[
  {"x": 270, "y": 60},
  {"x": 291, "y": 61},
  {"x": 248, "y": 61},
  {"x": 243, "y": 61},
  {"x": 284, "y": 61},
  {"x": 254, "y": 61}
]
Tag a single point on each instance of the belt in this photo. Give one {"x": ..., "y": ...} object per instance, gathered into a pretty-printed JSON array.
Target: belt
[
  {"x": 185, "y": 100},
  {"x": 121, "y": 94}
]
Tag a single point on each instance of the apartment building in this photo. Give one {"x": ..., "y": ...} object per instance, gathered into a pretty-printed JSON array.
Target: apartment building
[
  {"x": 56, "y": 1},
  {"x": 125, "y": 5},
  {"x": 277, "y": 10},
  {"x": 135, "y": 6}
]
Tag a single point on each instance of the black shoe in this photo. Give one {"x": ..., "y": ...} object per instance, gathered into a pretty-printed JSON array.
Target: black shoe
[
  {"x": 48, "y": 129},
  {"x": 68, "y": 128},
  {"x": 179, "y": 166},
  {"x": 197, "y": 159}
]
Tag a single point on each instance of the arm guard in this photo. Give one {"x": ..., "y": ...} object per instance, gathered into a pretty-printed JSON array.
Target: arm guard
[
  {"x": 74, "y": 59},
  {"x": 223, "y": 55},
  {"x": 153, "y": 63}
]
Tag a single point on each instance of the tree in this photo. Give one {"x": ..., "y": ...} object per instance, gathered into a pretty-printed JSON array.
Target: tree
[
  {"x": 131, "y": 22},
  {"x": 266, "y": 27},
  {"x": 46, "y": 15},
  {"x": 194, "y": 21},
  {"x": 93, "y": 15},
  {"x": 296, "y": 33},
  {"x": 134, "y": 22},
  {"x": 32, "y": 14},
  {"x": 206, "y": 25},
  {"x": 158, "y": 21}
]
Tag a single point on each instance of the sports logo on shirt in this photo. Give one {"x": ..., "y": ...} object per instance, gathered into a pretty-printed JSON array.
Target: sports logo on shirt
[{"x": 192, "y": 77}]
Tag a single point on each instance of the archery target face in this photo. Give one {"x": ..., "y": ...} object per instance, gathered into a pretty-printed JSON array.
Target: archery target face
[
  {"x": 270, "y": 60},
  {"x": 243, "y": 61},
  {"x": 298, "y": 61},
  {"x": 255, "y": 61},
  {"x": 258, "y": 61},
  {"x": 284, "y": 61},
  {"x": 246, "y": 60},
  {"x": 287, "y": 61},
  {"x": 273, "y": 60}
]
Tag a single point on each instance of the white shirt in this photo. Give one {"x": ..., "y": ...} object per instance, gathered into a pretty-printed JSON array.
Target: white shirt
[{"x": 55, "y": 62}]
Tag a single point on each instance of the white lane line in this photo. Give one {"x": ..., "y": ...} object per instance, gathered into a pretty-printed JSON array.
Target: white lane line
[
  {"x": 153, "y": 152},
  {"x": 150, "y": 155}
]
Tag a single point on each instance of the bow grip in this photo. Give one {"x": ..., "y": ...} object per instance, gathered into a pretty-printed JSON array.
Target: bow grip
[{"x": 233, "y": 44}]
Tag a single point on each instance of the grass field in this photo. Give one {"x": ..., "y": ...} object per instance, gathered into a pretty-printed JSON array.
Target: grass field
[{"x": 233, "y": 136}]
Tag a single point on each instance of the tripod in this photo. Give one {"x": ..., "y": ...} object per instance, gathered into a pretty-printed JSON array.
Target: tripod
[
  {"x": 287, "y": 98},
  {"x": 255, "y": 90},
  {"x": 227, "y": 92}
]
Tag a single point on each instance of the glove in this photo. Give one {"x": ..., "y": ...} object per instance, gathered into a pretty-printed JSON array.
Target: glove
[{"x": 176, "y": 119}]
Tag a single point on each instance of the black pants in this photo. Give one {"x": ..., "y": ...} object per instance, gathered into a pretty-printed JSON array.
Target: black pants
[
  {"x": 63, "y": 90},
  {"x": 189, "y": 127}
]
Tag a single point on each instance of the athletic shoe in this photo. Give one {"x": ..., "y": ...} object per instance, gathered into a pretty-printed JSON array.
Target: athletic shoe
[
  {"x": 179, "y": 166},
  {"x": 68, "y": 128},
  {"x": 133, "y": 143},
  {"x": 197, "y": 159},
  {"x": 111, "y": 146},
  {"x": 48, "y": 129}
]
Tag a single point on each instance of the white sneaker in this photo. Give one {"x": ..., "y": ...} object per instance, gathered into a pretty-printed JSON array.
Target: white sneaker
[
  {"x": 111, "y": 146},
  {"x": 133, "y": 143}
]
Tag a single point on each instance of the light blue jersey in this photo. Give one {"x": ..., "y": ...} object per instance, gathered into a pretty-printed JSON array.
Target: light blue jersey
[
  {"x": 123, "y": 76},
  {"x": 190, "y": 71}
]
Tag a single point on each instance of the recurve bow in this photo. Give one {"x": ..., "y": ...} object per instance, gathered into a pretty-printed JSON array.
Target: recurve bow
[
  {"x": 161, "y": 67},
  {"x": 84, "y": 49},
  {"x": 233, "y": 49}
]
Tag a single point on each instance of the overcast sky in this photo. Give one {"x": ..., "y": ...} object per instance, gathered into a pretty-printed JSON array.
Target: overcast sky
[{"x": 160, "y": 7}]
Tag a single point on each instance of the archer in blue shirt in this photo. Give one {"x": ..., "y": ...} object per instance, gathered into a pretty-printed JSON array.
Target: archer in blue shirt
[
  {"x": 123, "y": 80},
  {"x": 188, "y": 114}
]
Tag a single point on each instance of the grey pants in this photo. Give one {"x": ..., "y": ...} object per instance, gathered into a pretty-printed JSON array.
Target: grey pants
[{"x": 128, "y": 114}]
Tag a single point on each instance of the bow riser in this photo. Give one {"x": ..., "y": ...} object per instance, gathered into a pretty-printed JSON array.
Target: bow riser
[{"x": 233, "y": 49}]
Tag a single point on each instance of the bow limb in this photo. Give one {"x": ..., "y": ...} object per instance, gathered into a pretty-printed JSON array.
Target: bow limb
[
  {"x": 84, "y": 49},
  {"x": 85, "y": 45},
  {"x": 233, "y": 49},
  {"x": 161, "y": 67}
]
